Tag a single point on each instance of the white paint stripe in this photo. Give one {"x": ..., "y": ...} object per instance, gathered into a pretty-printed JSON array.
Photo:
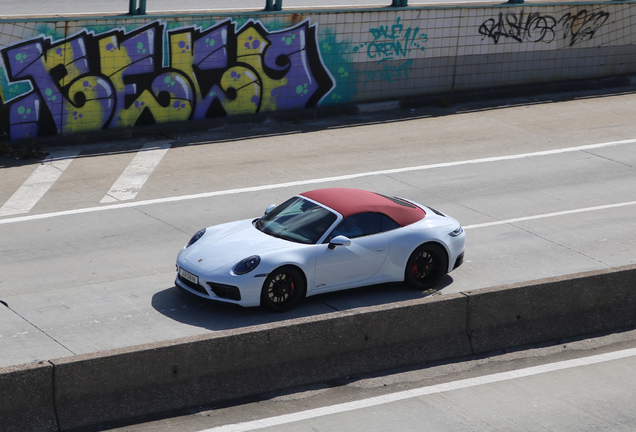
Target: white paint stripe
[
  {"x": 547, "y": 215},
  {"x": 135, "y": 175},
  {"x": 314, "y": 181},
  {"x": 38, "y": 183},
  {"x": 423, "y": 391}
]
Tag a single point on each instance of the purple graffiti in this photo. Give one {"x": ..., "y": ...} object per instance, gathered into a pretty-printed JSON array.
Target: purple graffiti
[
  {"x": 48, "y": 68},
  {"x": 289, "y": 52},
  {"x": 24, "y": 116},
  {"x": 139, "y": 48},
  {"x": 211, "y": 56},
  {"x": 118, "y": 78},
  {"x": 25, "y": 62}
]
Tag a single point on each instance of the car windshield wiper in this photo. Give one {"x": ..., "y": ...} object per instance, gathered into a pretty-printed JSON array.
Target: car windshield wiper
[{"x": 277, "y": 235}]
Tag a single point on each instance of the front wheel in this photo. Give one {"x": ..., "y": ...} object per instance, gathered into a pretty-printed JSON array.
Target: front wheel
[
  {"x": 426, "y": 266},
  {"x": 283, "y": 288}
]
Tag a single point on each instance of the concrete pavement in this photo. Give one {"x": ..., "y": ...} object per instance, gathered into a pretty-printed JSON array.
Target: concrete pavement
[{"x": 80, "y": 277}]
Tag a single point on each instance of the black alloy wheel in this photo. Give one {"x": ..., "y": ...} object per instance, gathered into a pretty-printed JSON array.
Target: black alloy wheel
[
  {"x": 426, "y": 266},
  {"x": 283, "y": 289}
]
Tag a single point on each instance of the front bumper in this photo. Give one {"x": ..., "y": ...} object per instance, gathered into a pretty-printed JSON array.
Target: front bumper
[
  {"x": 459, "y": 261},
  {"x": 224, "y": 291},
  {"x": 244, "y": 290}
]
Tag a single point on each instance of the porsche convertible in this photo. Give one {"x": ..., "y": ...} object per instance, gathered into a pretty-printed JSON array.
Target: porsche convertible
[{"x": 320, "y": 241}]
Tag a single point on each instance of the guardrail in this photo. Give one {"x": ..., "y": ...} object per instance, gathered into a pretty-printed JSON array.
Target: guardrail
[
  {"x": 91, "y": 389},
  {"x": 270, "y": 5},
  {"x": 277, "y": 5}
]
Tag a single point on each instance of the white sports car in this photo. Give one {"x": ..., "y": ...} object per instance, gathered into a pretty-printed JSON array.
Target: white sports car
[{"x": 320, "y": 241}]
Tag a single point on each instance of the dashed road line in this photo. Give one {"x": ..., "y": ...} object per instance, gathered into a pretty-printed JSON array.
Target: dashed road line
[
  {"x": 135, "y": 175},
  {"x": 38, "y": 184}
]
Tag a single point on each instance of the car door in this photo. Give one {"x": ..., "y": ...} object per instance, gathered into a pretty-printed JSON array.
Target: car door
[{"x": 357, "y": 262}]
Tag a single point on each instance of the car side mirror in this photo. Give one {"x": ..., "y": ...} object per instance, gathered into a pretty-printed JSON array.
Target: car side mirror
[
  {"x": 339, "y": 241},
  {"x": 270, "y": 208}
]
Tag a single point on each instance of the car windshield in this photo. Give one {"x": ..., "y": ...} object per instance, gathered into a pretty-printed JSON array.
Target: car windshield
[{"x": 297, "y": 220}]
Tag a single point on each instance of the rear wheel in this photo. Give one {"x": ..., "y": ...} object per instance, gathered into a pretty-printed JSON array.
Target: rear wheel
[
  {"x": 283, "y": 289},
  {"x": 426, "y": 266}
]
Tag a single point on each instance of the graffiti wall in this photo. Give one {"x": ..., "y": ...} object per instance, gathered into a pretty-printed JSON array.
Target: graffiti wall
[
  {"x": 118, "y": 78},
  {"x": 69, "y": 76}
]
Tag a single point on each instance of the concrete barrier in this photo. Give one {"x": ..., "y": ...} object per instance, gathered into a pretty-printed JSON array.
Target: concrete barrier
[
  {"x": 26, "y": 398},
  {"x": 86, "y": 390},
  {"x": 188, "y": 372},
  {"x": 550, "y": 309}
]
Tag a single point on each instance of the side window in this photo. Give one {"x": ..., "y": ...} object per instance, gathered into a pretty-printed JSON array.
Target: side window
[
  {"x": 358, "y": 225},
  {"x": 388, "y": 224}
]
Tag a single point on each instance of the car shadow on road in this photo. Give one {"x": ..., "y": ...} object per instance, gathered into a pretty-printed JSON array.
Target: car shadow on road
[{"x": 188, "y": 309}]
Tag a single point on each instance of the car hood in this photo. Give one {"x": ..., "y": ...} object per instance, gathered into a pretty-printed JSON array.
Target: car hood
[{"x": 228, "y": 244}]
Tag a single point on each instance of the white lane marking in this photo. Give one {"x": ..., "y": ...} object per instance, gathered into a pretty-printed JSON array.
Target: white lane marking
[
  {"x": 547, "y": 215},
  {"x": 312, "y": 181},
  {"x": 38, "y": 183},
  {"x": 423, "y": 391},
  {"x": 135, "y": 175},
  {"x": 141, "y": 203}
]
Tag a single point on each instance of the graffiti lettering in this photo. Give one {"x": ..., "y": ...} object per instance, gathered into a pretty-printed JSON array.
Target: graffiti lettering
[
  {"x": 396, "y": 42},
  {"x": 65, "y": 90},
  {"x": 391, "y": 43},
  {"x": 533, "y": 28},
  {"x": 389, "y": 73},
  {"x": 543, "y": 28},
  {"x": 118, "y": 79},
  {"x": 582, "y": 26}
]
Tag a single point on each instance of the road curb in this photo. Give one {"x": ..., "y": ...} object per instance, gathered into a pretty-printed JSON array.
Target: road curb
[{"x": 84, "y": 390}]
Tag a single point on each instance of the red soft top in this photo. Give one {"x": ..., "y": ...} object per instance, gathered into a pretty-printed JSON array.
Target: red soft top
[{"x": 348, "y": 202}]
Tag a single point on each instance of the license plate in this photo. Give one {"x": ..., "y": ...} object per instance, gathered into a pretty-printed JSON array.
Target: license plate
[{"x": 188, "y": 276}]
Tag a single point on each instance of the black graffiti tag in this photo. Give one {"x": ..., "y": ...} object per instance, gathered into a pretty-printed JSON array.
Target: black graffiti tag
[
  {"x": 542, "y": 28},
  {"x": 583, "y": 25},
  {"x": 533, "y": 28}
]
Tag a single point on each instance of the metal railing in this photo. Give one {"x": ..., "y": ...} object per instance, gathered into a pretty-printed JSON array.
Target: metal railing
[
  {"x": 275, "y": 5},
  {"x": 270, "y": 5}
]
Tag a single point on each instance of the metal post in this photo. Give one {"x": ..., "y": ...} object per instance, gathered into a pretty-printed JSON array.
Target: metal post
[
  {"x": 273, "y": 5},
  {"x": 134, "y": 10}
]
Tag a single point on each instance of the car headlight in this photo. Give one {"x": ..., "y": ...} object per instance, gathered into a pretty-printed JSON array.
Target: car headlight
[
  {"x": 247, "y": 265},
  {"x": 457, "y": 232},
  {"x": 196, "y": 237}
]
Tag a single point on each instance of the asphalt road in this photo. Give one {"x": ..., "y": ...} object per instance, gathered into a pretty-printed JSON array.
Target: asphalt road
[{"x": 543, "y": 188}]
